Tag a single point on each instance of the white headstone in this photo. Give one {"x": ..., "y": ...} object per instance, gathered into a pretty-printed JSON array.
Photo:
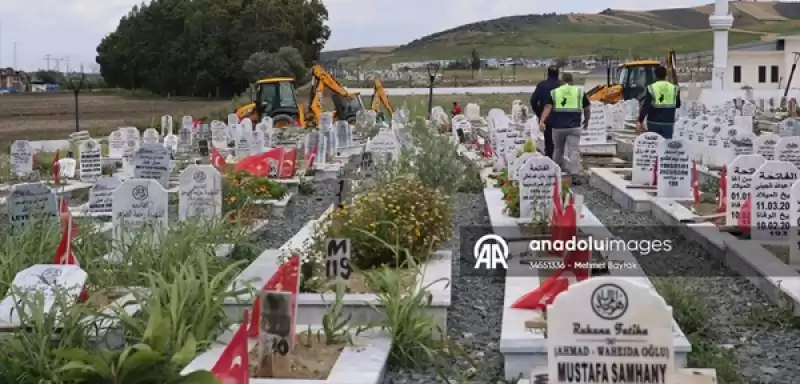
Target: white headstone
[
  {"x": 771, "y": 197},
  {"x": 514, "y": 167},
  {"x": 29, "y": 202},
  {"x": 612, "y": 329},
  {"x": 765, "y": 145},
  {"x": 100, "y": 194},
  {"x": 166, "y": 125},
  {"x": 739, "y": 179},
  {"x": 789, "y": 127},
  {"x": 151, "y": 136},
  {"x": 54, "y": 282},
  {"x": 244, "y": 138},
  {"x": 384, "y": 142},
  {"x": 674, "y": 169},
  {"x": 788, "y": 149},
  {"x": 152, "y": 161},
  {"x": 595, "y": 132},
  {"x": 171, "y": 143},
  {"x": 139, "y": 204},
  {"x": 185, "y": 139},
  {"x": 645, "y": 152},
  {"x": 258, "y": 142},
  {"x": 472, "y": 111},
  {"x": 116, "y": 144},
  {"x": 200, "y": 193},
  {"x": 90, "y": 156},
  {"x": 714, "y": 143},
  {"x": 743, "y": 143},
  {"x": 794, "y": 229},
  {"x": 232, "y": 119},
  {"x": 537, "y": 177},
  {"x": 67, "y": 168},
  {"x": 21, "y": 157},
  {"x": 219, "y": 135}
]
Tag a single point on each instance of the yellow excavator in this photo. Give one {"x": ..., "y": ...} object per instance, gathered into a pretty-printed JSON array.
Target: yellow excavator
[
  {"x": 631, "y": 80},
  {"x": 277, "y": 98},
  {"x": 346, "y": 104},
  {"x": 379, "y": 98}
]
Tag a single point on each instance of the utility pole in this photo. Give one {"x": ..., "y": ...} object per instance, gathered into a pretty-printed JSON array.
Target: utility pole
[
  {"x": 47, "y": 59},
  {"x": 58, "y": 64}
]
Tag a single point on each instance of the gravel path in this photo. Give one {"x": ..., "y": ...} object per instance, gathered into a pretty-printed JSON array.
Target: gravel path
[
  {"x": 764, "y": 354},
  {"x": 475, "y": 317},
  {"x": 300, "y": 210}
]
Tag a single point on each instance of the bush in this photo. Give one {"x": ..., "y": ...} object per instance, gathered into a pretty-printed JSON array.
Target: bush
[
  {"x": 241, "y": 190},
  {"x": 403, "y": 212}
]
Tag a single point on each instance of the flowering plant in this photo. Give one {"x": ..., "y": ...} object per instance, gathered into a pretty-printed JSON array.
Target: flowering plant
[
  {"x": 241, "y": 190},
  {"x": 402, "y": 212}
]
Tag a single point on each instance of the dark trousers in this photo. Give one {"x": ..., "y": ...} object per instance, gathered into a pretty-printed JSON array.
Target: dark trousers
[
  {"x": 663, "y": 129},
  {"x": 548, "y": 142}
]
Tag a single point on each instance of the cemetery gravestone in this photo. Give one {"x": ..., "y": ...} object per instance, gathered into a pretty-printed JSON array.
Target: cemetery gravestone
[
  {"x": 171, "y": 143},
  {"x": 538, "y": 176},
  {"x": 788, "y": 149},
  {"x": 22, "y": 158},
  {"x": 232, "y": 119},
  {"x": 771, "y": 197},
  {"x": 595, "y": 132},
  {"x": 614, "y": 329},
  {"x": 472, "y": 112},
  {"x": 712, "y": 135},
  {"x": 139, "y": 205},
  {"x": 645, "y": 152},
  {"x": 219, "y": 135},
  {"x": 31, "y": 202},
  {"x": 342, "y": 134},
  {"x": 52, "y": 281},
  {"x": 200, "y": 193},
  {"x": 743, "y": 143},
  {"x": 384, "y": 143},
  {"x": 151, "y": 136},
  {"x": 789, "y": 127},
  {"x": 244, "y": 138},
  {"x": 152, "y": 161},
  {"x": 674, "y": 169},
  {"x": 90, "y": 155},
  {"x": 116, "y": 144},
  {"x": 513, "y": 168},
  {"x": 185, "y": 139},
  {"x": 67, "y": 168},
  {"x": 794, "y": 230},
  {"x": 100, "y": 195},
  {"x": 166, "y": 125},
  {"x": 765, "y": 145},
  {"x": 739, "y": 181},
  {"x": 699, "y": 146},
  {"x": 257, "y": 145}
]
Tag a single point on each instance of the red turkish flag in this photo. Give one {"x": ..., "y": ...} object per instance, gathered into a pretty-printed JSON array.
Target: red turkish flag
[
  {"x": 217, "y": 160},
  {"x": 64, "y": 254},
  {"x": 545, "y": 294},
  {"x": 233, "y": 365},
  {"x": 55, "y": 168},
  {"x": 743, "y": 222},
  {"x": 311, "y": 157},
  {"x": 265, "y": 164},
  {"x": 288, "y": 164},
  {"x": 722, "y": 200},
  {"x": 695, "y": 183}
]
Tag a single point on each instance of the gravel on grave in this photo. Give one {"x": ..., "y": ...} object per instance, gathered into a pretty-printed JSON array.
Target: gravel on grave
[
  {"x": 475, "y": 316},
  {"x": 763, "y": 355},
  {"x": 297, "y": 213}
]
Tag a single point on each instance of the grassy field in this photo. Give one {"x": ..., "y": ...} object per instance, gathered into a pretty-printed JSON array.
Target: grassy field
[{"x": 615, "y": 33}]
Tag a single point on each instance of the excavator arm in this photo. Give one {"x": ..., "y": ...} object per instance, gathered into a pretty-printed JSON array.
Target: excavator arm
[
  {"x": 672, "y": 76},
  {"x": 379, "y": 97},
  {"x": 323, "y": 80}
]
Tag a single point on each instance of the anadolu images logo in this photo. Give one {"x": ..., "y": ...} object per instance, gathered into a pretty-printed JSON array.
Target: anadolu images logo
[{"x": 491, "y": 250}]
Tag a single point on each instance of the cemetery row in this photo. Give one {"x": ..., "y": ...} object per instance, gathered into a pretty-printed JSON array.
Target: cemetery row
[
  {"x": 110, "y": 284},
  {"x": 544, "y": 331}
]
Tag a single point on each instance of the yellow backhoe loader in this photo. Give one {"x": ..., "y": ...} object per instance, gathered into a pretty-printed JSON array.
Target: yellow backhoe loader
[
  {"x": 631, "y": 80},
  {"x": 346, "y": 104},
  {"x": 379, "y": 98},
  {"x": 274, "y": 97}
]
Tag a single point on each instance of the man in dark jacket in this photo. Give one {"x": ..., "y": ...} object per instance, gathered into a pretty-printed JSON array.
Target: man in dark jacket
[
  {"x": 539, "y": 100},
  {"x": 658, "y": 107}
]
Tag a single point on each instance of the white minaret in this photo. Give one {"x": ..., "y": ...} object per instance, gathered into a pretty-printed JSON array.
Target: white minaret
[{"x": 720, "y": 23}]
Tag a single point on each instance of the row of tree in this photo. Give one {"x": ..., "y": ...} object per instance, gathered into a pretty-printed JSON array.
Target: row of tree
[{"x": 211, "y": 47}]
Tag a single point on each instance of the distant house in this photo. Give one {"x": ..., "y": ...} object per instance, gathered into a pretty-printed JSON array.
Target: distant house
[{"x": 10, "y": 78}]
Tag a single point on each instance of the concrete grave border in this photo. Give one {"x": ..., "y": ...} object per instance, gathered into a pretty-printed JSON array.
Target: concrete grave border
[
  {"x": 365, "y": 362},
  {"x": 362, "y": 307},
  {"x": 523, "y": 350}
]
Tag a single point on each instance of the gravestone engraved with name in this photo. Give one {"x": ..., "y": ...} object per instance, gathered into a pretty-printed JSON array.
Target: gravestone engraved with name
[
  {"x": 788, "y": 149},
  {"x": 166, "y": 125},
  {"x": 384, "y": 143},
  {"x": 244, "y": 138},
  {"x": 645, "y": 152},
  {"x": 185, "y": 139},
  {"x": 100, "y": 194},
  {"x": 771, "y": 198},
  {"x": 699, "y": 146},
  {"x": 765, "y": 145},
  {"x": 743, "y": 143},
  {"x": 200, "y": 193},
  {"x": 257, "y": 145},
  {"x": 91, "y": 160},
  {"x": 151, "y": 136},
  {"x": 674, "y": 169},
  {"x": 152, "y": 161},
  {"x": 116, "y": 144},
  {"x": 171, "y": 143},
  {"x": 219, "y": 135},
  {"x": 712, "y": 138},
  {"x": 30, "y": 202},
  {"x": 595, "y": 132},
  {"x": 536, "y": 181},
  {"x": 789, "y": 127},
  {"x": 22, "y": 157},
  {"x": 513, "y": 168},
  {"x": 139, "y": 205},
  {"x": 739, "y": 181},
  {"x": 612, "y": 330}
]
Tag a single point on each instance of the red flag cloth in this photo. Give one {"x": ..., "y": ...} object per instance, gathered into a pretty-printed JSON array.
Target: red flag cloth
[
  {"x": 547, "y": 291},
  {"x": 64, "y": 254},
  {"x": 560, "y": 226},
  {"x": 255, "y": 319},
  {"x": 55, "y": 168},
  {"x": 66, "y": 218},
  {"x": 311, "y": 157},
  {"x": 743, "y": 222},
  {"x": 287, "y": 279},
  {"x": 233, "y": 365},
  {"x": 695, "y": 183},
  {"x": 217, "y": 160},
  {"x": 488, "y": 152},
  {"x": 260, "y": 165},
  {"x": 722, "y": 201},
  {"x": 288, "y": 164},
  {"x": 655, "y": 172}
]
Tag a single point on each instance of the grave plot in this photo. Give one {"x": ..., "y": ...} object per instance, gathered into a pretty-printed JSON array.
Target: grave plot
[{"x": 548, "y": 214}]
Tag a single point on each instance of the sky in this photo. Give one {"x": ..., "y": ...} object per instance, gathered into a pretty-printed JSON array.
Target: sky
[{"x": 71, "y": 29}]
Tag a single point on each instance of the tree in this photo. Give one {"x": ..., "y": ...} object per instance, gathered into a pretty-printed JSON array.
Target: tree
[
  {"x": 49, "y": 77},
  {"x": 199, "y": 47},
  {"x": 286, "y": 62},
  {"x": 476, "y": 60}
]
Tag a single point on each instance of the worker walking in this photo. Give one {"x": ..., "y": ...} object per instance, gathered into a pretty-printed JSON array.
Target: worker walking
[
  {"x": 456, "y": 109},
  {"x": 562, "y": 114},
  {"x": 538, "y": 101},
  {"x": 659, "y": 104}
]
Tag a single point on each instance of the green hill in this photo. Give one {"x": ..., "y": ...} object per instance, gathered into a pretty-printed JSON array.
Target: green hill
[{"x": 614, "y": 33}]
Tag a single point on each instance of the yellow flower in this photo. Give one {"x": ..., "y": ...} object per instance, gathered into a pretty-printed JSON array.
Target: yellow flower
[{"x": 231, "y": 198}]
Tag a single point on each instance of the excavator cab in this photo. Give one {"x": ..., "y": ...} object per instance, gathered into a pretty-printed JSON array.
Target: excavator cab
[
  {"x": 346, "y": 108},
  {"x": 276, "y": 98},
  {"x": 635, "y": 77}
]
